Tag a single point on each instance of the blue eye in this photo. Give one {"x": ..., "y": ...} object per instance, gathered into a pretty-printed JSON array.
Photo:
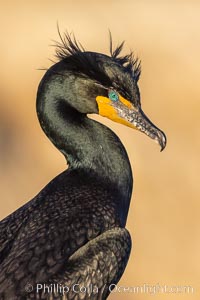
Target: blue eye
[{"x": 113, "y": 95}]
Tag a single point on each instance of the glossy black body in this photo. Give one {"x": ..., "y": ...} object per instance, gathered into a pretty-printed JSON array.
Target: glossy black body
[{"x": 73, "y": 230}]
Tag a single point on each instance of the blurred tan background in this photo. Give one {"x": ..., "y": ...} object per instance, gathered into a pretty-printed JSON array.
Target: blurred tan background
[{"x": 164, "y": 216}]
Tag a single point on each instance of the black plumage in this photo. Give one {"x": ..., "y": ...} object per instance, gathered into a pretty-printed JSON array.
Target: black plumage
[{"x": 73, "y": 232}]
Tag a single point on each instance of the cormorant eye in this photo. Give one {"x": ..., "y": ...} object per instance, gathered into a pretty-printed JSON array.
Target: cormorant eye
[{"x": 113, "y": 95}]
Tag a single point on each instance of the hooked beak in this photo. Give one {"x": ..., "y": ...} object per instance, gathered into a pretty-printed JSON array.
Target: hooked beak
[
  {"x": 125, "y": 113},
  {"x": 143, "y": 124}
]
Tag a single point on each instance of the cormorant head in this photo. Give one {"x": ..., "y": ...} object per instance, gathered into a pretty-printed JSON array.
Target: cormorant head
[{"x": 106, "y": 85}]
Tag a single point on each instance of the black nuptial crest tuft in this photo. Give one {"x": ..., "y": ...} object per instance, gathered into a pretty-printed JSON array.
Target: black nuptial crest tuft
[
  {"x": 69, "y": 46},
  {"x": 131, "y": 64}
]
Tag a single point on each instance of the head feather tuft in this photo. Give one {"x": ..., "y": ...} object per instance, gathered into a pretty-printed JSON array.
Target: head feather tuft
[{"x": 68, "y": 46}]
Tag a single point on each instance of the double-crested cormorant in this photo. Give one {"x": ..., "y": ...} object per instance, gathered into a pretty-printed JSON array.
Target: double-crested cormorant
[{"x": 70, "y": 241}]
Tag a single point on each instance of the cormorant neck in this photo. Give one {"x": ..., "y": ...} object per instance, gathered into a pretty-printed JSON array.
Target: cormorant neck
[{"x": 86, "y": 144}]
